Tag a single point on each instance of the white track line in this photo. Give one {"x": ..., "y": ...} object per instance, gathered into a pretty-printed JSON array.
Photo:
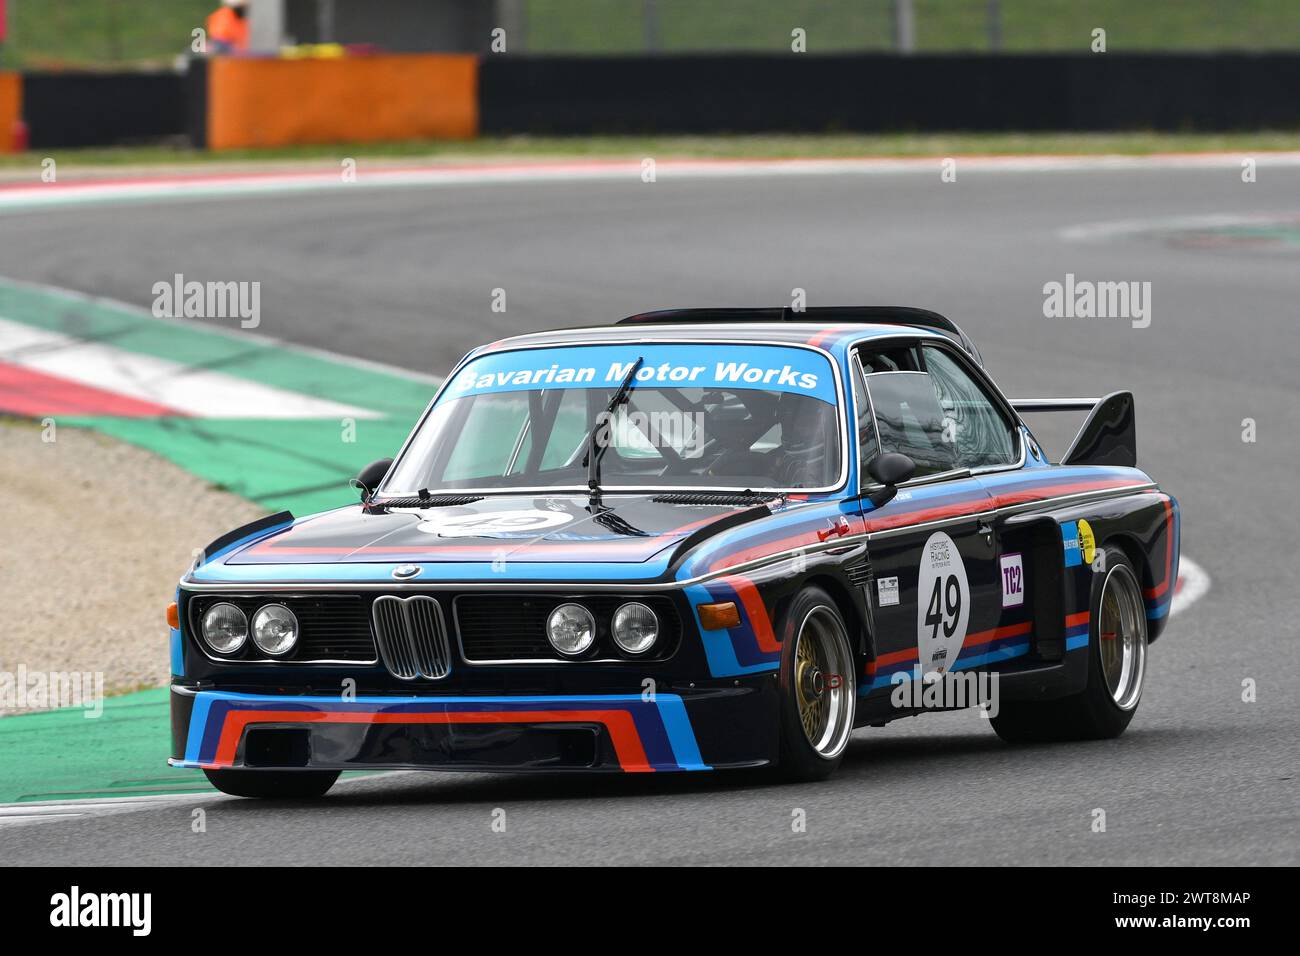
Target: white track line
[
  {"x": 1102, "y": 231},
  {"x": 51, "y": 811},
  {"x": 23, "y": 196},
  {"x": 187, "y": 389},
  {"x": 1195, "y": 582}
]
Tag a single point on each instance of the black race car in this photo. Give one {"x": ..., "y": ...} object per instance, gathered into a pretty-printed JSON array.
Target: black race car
[{"x": 694, "y": 540}]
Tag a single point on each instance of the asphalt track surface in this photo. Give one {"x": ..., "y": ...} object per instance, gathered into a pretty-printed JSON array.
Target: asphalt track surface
[{"x": 405, "y": 276}]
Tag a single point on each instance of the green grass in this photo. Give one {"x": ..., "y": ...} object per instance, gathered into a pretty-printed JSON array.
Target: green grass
[
  {"x": 661, "y": 147},
  {"x": 71, "y": 33},
  {"x": 53, "y": 34},
  {"x": 618, "y": 26}
]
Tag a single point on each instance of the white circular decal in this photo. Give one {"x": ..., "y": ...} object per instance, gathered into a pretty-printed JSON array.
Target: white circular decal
[
  {"x": 491, "y": 524},
  {"x": 942, "y": 605}
]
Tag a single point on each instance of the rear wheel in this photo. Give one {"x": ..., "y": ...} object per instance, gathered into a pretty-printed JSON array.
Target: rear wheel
[
  {"x": 1117, "y": 655},
  {"x": 273, "y": 784},
  {"x": 818, "y": 687}
]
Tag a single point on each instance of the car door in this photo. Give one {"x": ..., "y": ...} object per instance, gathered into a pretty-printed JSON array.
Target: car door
[
  {"x": 988, "y": 442},
  {"x": 935, "y": 576}
]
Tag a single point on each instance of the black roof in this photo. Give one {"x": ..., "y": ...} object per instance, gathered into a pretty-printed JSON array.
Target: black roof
[{"x": 825, "y": 315}]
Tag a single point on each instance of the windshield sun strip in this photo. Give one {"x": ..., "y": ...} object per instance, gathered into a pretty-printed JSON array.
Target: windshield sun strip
[{"x": 837, "y": 377}]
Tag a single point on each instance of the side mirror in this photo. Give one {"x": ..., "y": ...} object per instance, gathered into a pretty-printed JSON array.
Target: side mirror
[
  {"x": 890, "y": 469},
  {"x": 370, "y": 477}
]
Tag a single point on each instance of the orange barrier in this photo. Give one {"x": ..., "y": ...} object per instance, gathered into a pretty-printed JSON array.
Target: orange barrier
[
  {"x": 11, "y": 111},
  {"x": 274, "y": 102}
]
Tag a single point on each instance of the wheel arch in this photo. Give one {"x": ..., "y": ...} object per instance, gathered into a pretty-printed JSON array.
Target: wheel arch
[
  {"x": 1142, "y": 565},
  {"x": 1136, "y": 555},
  {"x": 840, "y": 593}
]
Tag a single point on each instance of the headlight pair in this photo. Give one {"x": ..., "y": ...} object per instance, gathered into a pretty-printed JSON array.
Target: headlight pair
[
  {"x": 571, "y": 628},
  {"x": 275, "y": 629}
]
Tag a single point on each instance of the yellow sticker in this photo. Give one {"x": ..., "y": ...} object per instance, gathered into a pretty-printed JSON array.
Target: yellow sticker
[{"x": 1087, "y": 543}]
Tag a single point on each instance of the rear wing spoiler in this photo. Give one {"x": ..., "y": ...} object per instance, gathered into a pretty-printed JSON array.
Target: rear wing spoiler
[{"x": 1108, "y": 435}]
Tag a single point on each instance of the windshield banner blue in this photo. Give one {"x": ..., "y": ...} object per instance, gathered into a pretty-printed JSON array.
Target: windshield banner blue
[{"x": 774, "y": 368}]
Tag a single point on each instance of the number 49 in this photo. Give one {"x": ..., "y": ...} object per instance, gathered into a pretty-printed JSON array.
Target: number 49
[{"x": 948, "y": 591}]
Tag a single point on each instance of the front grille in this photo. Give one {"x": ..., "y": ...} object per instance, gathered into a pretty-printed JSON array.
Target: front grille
[
  {"x": 333, "y": 627},
  {"x": 411, "y": 636},
  {"x": 512, "y": 627}
]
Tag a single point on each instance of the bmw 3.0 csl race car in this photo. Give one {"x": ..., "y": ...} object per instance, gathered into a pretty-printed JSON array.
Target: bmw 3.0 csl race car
[{"x": 694, "y": 540}]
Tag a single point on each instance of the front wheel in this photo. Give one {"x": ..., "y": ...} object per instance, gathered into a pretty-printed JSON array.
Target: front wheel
[
  {"x": 817, "y": 685},
  {"x": 273, "y": 784},
  {"x": 1117, "y": 656}
]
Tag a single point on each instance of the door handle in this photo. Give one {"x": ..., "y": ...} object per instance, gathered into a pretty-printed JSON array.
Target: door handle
[
  {"x": 839, "y": 527},
  {"x": 985, "y": 528}
]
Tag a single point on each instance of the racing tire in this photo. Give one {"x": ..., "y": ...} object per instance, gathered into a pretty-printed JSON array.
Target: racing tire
[
  {"x": 1117, "y": 652},
  {"x": 273, "y": 784},
  {"x": 817, "y": 687}
]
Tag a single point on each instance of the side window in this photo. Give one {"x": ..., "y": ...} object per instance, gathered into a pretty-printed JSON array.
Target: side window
[
  {"x": 897, "y": 358},
  {"x": 868, "y": 447},
  {"x": 981, "y": 433},
  {"x": 910, "y": 420}
]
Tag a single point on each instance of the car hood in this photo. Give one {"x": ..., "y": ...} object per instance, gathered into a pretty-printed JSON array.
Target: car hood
[{"x": 494, "y": 529}]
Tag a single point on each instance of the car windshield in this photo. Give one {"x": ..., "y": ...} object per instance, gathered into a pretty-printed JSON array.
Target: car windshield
[{"x": 698, "y": 416}]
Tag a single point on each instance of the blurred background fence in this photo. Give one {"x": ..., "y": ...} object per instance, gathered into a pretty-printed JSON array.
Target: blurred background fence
[{"x": 45, "y": 34}]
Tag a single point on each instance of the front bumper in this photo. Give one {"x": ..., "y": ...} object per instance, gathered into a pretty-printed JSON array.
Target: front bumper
[{"x": 734, "y": 726}]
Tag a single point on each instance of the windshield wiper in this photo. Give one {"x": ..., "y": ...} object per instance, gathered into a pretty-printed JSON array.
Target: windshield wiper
[{"x": 594, "y": 449}]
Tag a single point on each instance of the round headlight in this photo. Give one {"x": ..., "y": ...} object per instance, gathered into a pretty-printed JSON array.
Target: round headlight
[
  {"x": 225, "y": 628},
  {"x": 275, "y": 629},
  {"x": 571, "y": 629},
  {"x": 635, "y": 628}
]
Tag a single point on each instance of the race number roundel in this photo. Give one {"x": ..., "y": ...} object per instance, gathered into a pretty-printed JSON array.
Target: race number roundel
[
  {"x": 494, "y": 524},
  {"x": 943, "y": 605}
]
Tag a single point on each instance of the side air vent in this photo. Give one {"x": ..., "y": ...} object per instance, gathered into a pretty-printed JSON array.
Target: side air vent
[
  {"x": 412, "y": 637},
  {"x": 859, "y": 573},
  {"x": 717, "y": 498}
]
